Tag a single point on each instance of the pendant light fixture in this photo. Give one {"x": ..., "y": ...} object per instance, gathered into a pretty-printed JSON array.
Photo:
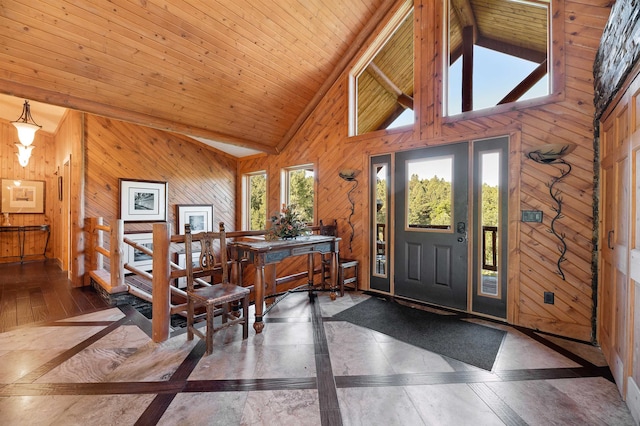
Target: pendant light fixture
[{"x": 27, "y": 128}]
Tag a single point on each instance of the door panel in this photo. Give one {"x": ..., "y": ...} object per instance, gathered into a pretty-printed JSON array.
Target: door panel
[{"x": 431, "y": 216}]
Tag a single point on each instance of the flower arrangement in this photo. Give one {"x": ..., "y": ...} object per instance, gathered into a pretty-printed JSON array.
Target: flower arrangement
[{"x": 288, "y": 224}]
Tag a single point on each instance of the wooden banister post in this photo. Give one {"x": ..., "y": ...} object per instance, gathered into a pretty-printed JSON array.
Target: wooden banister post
[
  {"x": 117, "y": 256},
  {"x": 94, "y": 259},
  {"x": 161, "y": 274}
]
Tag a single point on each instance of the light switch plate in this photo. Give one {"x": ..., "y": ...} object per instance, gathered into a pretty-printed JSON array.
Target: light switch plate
[{"x": 532, "y": 216}]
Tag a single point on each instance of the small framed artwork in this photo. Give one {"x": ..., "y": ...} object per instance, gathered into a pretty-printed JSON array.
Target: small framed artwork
[
  {"x": 22, "y": 196},
  {"x": 198, "y": 216},
  {"x": 182, "y": 281},
  {"x": 137, "y": 258},
  {"x": 143, "y": 201}
]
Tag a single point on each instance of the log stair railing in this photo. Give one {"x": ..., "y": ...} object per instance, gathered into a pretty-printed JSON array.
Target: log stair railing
[{"x": 114, "y": 280}]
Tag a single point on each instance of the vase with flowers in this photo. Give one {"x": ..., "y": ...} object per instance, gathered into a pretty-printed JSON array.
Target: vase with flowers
[{"x": 288, "y": 224}]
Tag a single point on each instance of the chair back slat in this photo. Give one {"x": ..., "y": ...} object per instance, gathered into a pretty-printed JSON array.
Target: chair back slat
[
  {"x": 207, "y": 261},
  {"x": 329, "y": 230}
]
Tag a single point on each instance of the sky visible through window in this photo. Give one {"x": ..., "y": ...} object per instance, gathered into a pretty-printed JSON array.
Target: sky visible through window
[{"x": 494, "y": 76}]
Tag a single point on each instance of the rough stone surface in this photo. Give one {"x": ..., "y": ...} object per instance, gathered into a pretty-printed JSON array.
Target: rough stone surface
[{"x": 619, "y": 51}]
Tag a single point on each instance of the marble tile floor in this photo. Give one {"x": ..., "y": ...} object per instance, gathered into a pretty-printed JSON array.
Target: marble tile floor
[{"x": 102, "y": 368}]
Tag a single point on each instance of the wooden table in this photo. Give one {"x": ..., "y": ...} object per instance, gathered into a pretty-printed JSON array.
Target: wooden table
[
  {"x": 22, "y": 230},
  {"x": 263, "y": 252}
]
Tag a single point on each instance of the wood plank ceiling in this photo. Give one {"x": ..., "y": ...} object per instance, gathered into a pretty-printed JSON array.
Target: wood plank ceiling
[
  {"x": 517, "y": 28},
  {"x": 246, "y": 72}
]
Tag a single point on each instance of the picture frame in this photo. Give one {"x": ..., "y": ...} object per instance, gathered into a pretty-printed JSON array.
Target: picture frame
[
  {"x": 22, "y": 196},
  {"x": 198, "y": 216},
  {"x": 137, "y": 258},
  {"x": 60, "y": 188},
  {"x": 143, "y": 200},
  {"x": 181, "y": 261}
]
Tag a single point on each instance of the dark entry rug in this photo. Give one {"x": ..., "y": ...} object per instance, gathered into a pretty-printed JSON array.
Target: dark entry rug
[{"x": 445, "y": 335}]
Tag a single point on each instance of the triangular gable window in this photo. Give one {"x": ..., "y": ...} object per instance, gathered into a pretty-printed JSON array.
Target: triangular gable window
[{"x": 383, "y": 83}]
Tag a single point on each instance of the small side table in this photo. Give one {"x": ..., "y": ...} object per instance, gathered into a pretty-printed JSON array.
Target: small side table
[{"x": 22, "y": 230}]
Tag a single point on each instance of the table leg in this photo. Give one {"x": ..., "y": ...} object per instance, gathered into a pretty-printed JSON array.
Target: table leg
[
  {"x": 46, "y": 243},
  {"x": 22, "y": 234},
  {"x": 310, "y": 267},
  {"x": 258, "y": 325}
]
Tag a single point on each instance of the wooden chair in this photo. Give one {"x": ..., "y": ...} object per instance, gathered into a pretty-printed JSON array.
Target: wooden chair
[
  {"x": 344, "y": 265},
  {"x": 215, "y": 298}
]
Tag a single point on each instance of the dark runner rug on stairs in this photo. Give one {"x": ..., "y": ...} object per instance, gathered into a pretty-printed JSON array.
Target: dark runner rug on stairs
[{"x": 443, "y": 334}]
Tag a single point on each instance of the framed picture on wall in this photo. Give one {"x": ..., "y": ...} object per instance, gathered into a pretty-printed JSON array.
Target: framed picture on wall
[
  {"x": 137, "y": 258},
  {"x": 22, "y": 196},
  {"x": 143, "y": 200},
  {"x": 198, "y": 216}
]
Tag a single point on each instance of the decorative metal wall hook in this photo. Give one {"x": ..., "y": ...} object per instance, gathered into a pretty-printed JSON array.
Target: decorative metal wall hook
[
  {"x": 350, "y": 176},
  {"x": 553, "y": 154}
]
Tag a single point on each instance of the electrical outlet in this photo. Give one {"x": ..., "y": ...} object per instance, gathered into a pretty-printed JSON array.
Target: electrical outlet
[{"x": 549, "y": 297}]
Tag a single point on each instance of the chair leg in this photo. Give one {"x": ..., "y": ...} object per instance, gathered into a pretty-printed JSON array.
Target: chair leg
[
  {"x": 245, "y": 317},
  {"x": 209, "y": 334},
  {"x": 190, "y": 313}
]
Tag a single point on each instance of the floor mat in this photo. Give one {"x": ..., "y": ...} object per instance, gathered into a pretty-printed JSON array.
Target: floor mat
[{"x": 446, "y": 335}]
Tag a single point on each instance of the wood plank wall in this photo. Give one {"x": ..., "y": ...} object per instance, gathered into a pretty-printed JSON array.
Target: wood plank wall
[
  {"x": 40, "y": 168},
  {"x": 195, "y": 173},
  {"x": 567, "y": 117}
]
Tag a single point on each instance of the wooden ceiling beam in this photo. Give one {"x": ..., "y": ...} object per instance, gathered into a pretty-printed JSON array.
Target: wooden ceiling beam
[
  {"x": 406, "y": 101},
  {"x": 106, "y": 110},
  {"x": 467, "y": 69},
  {"x": 526, "y": 84},
  {"x": 464, "y": 12},
  {"x": 512, "y": 50}
]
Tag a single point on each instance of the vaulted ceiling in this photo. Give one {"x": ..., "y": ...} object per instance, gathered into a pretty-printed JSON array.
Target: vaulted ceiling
[
  {"x": 244, "y": 72},
  {"x": 231, "y": 73}
]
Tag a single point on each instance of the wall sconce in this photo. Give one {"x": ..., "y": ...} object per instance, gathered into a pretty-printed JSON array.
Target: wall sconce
[
  {"x": 27, "y": 128},
  {"x": 350, "y": 176},
  {"x": 554, "y": 154}
]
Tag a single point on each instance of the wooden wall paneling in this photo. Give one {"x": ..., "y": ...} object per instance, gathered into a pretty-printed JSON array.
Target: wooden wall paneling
[
  {"x": 39, "y": 168},
  {"x": 429, "y": 63},
  {"x": 68, "y": 235},
  {"x": 563, "y": 118},
  {"x": 195, "y": 174}
]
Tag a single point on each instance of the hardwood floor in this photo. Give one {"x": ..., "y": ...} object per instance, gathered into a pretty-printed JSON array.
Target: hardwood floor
[{"x": 39, "y": 291}]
